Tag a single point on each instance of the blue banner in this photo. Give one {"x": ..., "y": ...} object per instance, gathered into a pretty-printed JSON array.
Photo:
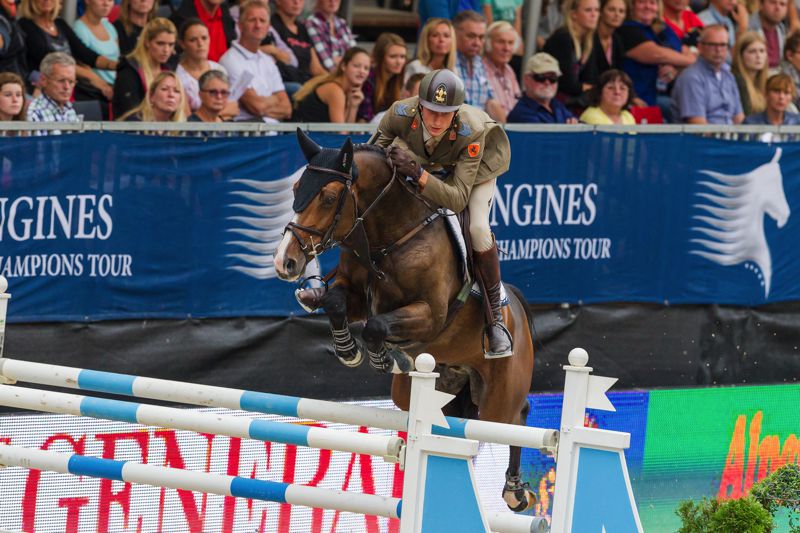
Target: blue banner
[{"x": 106, "y": 226}]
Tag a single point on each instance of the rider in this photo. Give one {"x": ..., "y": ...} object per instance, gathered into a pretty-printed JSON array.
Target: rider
[{"x": 454, "y": 153}]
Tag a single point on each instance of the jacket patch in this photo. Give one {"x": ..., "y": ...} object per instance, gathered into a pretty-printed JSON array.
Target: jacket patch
[
  {"x": 474, "y": 149},
  {"x": 402, "y": 110},
  {"x": 414, "y": 124},
  {"x": 465, "y": 130}
]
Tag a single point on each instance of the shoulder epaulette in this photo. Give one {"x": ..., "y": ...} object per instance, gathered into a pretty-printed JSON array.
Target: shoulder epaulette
[
  {"x": 465, "y": 130},
  {"x": 403, "y": 110}
]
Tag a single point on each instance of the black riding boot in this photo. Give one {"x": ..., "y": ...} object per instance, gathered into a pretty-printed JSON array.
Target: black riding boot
[{"x": 488, "y": 266}]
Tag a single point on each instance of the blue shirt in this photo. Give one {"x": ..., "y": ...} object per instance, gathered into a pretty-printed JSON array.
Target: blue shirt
[
  {"x": 643, "y": 75},
  {"x": 477, "y": 86},
  {"x": 529, "y": 111},
  {"x": 701, "y": 92},
  {"x": 789, "y": 119}
]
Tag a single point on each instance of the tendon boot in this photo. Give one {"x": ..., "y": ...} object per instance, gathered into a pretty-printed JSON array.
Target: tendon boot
[{"x": 488, "y": 265}]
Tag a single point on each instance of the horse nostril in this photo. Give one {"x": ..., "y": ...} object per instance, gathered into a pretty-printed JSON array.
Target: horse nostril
[{"x": 290, "y": 265}]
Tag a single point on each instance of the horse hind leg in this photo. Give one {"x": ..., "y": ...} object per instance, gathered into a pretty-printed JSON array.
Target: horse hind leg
[
  {"x": 517, "y": 494},
  {"x": 384, "y": 357},
  {"x": 345, "y": 347}
]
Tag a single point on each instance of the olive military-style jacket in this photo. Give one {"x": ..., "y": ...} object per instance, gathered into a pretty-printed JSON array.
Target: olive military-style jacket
[{"x": 473, "y": 151}]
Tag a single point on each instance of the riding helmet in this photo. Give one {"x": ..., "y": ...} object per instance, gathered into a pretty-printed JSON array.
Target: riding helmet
[{"x": 441, "y": 90}]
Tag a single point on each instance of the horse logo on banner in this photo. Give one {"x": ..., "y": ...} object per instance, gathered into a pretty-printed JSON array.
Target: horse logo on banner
[
  {"x": 265, "y": 207},
  {"x": 732, "y": 210}
]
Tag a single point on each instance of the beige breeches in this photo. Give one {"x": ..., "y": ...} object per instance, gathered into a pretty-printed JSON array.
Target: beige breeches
[{"x": 480, "y": 203}]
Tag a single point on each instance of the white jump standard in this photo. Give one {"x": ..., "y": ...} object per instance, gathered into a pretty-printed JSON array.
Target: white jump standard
[{"x": 592, "y": 492}]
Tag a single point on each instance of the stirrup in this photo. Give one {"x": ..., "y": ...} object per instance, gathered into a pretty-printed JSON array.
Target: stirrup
[{"x": 491, "y": 354}]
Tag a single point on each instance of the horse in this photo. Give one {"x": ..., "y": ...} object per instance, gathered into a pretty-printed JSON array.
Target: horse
[{"x": 399, "y": 271}]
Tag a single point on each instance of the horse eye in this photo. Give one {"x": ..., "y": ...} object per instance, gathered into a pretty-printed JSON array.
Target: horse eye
[{"x": 328, "y": 199}]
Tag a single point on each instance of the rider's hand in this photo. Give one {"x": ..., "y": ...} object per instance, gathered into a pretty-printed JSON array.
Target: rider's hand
[{"x": 404, "y": 163}]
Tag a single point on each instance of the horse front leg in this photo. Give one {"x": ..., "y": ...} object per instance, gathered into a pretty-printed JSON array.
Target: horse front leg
[
  {"x": 335, "y": 305},
  {"x": 413, "y": 321}
]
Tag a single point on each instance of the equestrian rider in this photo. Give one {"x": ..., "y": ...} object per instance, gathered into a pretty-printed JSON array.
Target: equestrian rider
[{"x": 454, "y": 153}]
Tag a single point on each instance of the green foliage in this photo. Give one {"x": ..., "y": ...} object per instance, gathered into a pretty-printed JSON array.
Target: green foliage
[
  {"x": 744, "y": 515},
  {"x": 781, "y": 489},
  {"x": 752, "y": 514}
]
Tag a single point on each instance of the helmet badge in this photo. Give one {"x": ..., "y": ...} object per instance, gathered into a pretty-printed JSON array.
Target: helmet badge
[{"x": 440, "y": 95}]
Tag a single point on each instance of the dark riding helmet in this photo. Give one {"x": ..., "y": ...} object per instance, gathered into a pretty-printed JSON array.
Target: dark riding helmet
[{"x": 441, "y": 90}]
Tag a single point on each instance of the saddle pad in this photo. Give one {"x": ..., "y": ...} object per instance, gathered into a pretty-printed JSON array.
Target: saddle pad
[{"x": 458, "y": 238}]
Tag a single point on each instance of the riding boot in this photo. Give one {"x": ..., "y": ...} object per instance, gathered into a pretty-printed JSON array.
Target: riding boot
[
  {"x": 488, "y": 265},
  {"x": 310, "y": 298}
]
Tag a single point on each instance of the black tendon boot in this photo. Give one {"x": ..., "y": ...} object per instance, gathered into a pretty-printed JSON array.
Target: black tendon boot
[{"x": 488, "y": 265}]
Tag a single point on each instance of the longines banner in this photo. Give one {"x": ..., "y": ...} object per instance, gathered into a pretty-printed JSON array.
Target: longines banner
[{"x": 107, "y": 226}]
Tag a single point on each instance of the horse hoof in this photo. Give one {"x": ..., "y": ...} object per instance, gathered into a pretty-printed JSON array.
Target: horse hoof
[
  {"x": 402, "y": 363},
  {"x": 350, "y": 359},
  {"x": 519, "y": 499}
]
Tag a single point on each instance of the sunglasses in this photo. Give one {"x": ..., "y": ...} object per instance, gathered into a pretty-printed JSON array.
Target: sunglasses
[
  {"x": 216, "y": 93},
  {"x": 542, "y": 78}
]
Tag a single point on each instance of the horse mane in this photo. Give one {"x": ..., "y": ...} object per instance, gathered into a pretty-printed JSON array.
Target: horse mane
[{"x": 366, "y": 147}]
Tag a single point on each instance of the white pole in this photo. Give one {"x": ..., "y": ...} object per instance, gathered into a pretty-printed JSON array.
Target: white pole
[{"x": 4, "y": 296}]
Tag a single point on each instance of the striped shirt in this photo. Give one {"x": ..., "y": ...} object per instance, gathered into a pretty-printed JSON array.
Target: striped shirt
[
  {"x": 44, "y": 109},
  {"x": 329, "y": 44}
]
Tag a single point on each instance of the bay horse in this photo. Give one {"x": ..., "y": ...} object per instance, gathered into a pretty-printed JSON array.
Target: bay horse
[{"x": 399, "y": 271}]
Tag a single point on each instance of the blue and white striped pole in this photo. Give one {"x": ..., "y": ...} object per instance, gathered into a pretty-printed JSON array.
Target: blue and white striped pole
[
  {"x": 210, "y": 396},
  {"x": 254, "y": 489},
  {"x": 387, "y": 447}
]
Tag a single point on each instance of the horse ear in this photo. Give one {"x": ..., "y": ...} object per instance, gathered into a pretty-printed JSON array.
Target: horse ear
[
  {"x": 307, "y": 145},
  {"x": 344, "y": 161}
]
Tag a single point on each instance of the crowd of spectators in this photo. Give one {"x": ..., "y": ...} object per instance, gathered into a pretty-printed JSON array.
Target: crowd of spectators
[{"x": 598, "y": 61}]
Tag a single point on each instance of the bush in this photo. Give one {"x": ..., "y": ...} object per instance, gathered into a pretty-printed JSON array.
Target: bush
[{"x": 781, "y": 489}]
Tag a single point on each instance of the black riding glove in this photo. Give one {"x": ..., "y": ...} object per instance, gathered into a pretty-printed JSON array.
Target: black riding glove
[{"x": 404, "y": 163}]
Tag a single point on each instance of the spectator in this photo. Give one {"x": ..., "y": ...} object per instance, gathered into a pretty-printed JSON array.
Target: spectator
[
  {"x": 215, "y": 88},
  {"x": 194, "y": 63},
  {"x": 500, "y": 46},
  {"x": 791, "y": 62},
  {"x": 286, "y": 23},
  {"x": 751, "y": 72},
  {"x": 550, "y": 19},
  {"x": 436, "y": 48},
  {"x": 781, "y": 91},
  {"x": 706, "y": 92},
  {"x": 139, "y": 68},
  {"x": 682, "y": 21},
  {"x": 96, "y": 32},
  {"x": 538, "y": 104},
  {"x": 12, "y": 97},
  {"x": 133, "y": 17},
  {"x": 653, "y": 53},
  {"x": 12, "y": 41},
  {"x": 385, "y": 81},
  {"x": 470, "y": 34},
  {"x": 163, "y": 103},
  {"x": 410, "y": 88},
  {"x": 329, "y": 33},
  {"x": 57, "y": 81},
  {"x": 610, "y": 100},
  {"x": 217, "y": 18},
  {"x": 444, "y": 9},
  {"x": 729, "y": 13},
  {"x": 609, "y": 51},
  {"x": 507, "y": 11},
  {"x": 265, "y": 97},
  {"x": 45, "y": 32},
  {"x": 769, "y": 23},
  {"x": 572, "y": 46},
  {"x": 334, "y": 97}
]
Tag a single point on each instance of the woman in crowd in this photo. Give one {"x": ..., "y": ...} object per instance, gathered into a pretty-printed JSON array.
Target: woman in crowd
[
  {"x": 12, "y": 97},
  {"x": 611, "y": 99},
  {"x": 791, "y": 62},
  {"x": 781, "y": 91},
  {"x": 653, "y": 53},
  {"x": 501, "y": 42},
  {"x": 96, "y": 32},
  {"x": 286, "y": 21},
  {"x": 329, "y": 33},
  {"x": 609, "y": 52},
  {"x": 163, "y": 103},
  {"x": 215, "y": 88},
  {"x": 133, "y": 17},
  {"x": 12, "y": 41},
  {"x": 139, "y": 68},
  {"x": 46, "y": 32},
  {"x": 683, "y": 21},
  {"x": 385, "y": 81},
  {"x": 572, "y": 46},
  {"x": 194, "y": 62},
  {"x": 551, "y": 17},
  {"x": 436, "y": 48},
  {"x": 751, "y": 71},
  {"x": 334, "y": 97}
]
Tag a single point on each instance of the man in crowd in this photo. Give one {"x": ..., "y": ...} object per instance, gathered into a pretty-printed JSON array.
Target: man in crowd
[
  {"x": 769, "y": 23},
  {"x": 706, "y": 92},
  {"x": 57, "y": 80},
  {"x": 730, "y": 14},
  {"x": 470, "y": 35},
  {"x": 265, "y": 97},
  {"x": 538, "y": 104},
  {"x": 500, "y": 46}
]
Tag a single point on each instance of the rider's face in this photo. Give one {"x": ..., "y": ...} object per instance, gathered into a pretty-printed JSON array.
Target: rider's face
[{"x": 435, "y": 121}]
